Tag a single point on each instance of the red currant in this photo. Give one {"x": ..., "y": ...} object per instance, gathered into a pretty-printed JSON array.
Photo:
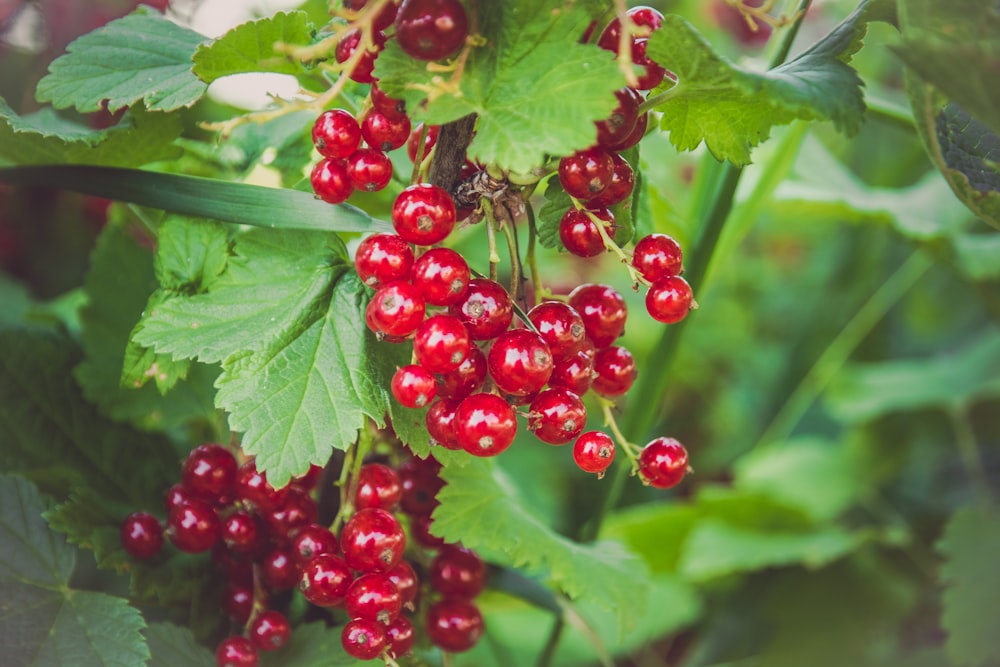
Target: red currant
[
  {"x": 576, "y": 372},
  {"x": 383, "y": 131},
  {"x": 423, "y": 214},
  {"x": 520, "y": 362},
  {"x": 252, "y": 486},
  {"x": 457, "y": 572},
  {"x": 370, "y": 170},
  {"x": 193, "y": 527},
  {"x": 399, "y": 634},
  {"x": 241, "y": 532},
  {"x": 594, "y": 451},
  {"x": 420, "y": 529},
  {"x": 237, "y": 600},
  {"x": 669, "y": 300},
  {"x": 396, "y": 309},
  {"x": 657, "y": 256},
  {"x": 270, "y": 630},
  {"x": 278, "y": 569},
  {"x": 663, "y": 462},
  {"x": 602, "y": 310},
  {"x": 586, "y": 173},
  {"x": 178, "y": 494},
  {"x": 615, "y": 369},
  {"x": 621, "y": 186},
  {"x": 325, "y": 580},
  {"x": 373, "y": 596},
  {"x": 641, "y": 15},
  {"x": 141, "y": 535},
  {"x": 619, "y": 125},
  {"x": 441, "y": 343},
  {"x": 298, "y": 510},
  {"x": 309, "y": 479},
  {"x": 485, "y": 309},
  {"x": 336, "y": 134},
  {"x": 372, "y": 540},
  {"x": 349, "y": 43},
  {"x": 560, "y": 327},
  {"x": 440, "y": 422},
  {"x": 653, "y": 73},
  {"x": 331, "y": 182},
  {"x": 465, "y": 379},
  {"x": 557, "y": 416},
  {"x": 385, "y": 104},
  {"x": 236, "y": 652},
  {"x": 378, "y": 486},
  {"x": 312, "y": 540},
  {"x": 210, "y": 470},
  {"x": 634, "y": 137},
  {"x": 383, "y": 19},
  {"x": 431, "y": 29},
  {"x": 383, "y": 258},
  {"x": 405, "y": 580},
  {"x": 420, "y": 486},
  {"x": 413, "y": 143},
  {"x": 485, "y": 424},
  {"x": 363, "y": 639},
  {"x": 441, "y": 275},
  {"x": 454, "y": 625},
  {"x": 413, "y": 386},
  {"x": 579, "y": 233}
]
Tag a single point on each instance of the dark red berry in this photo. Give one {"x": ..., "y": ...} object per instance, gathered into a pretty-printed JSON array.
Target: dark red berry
[
  {"x": 413, "y": 386},
  {"x": 405, "y": 581},
  {"x": 178, "y": 494},
  {"x": 309, "y": 479},
  {"x": 619, "y": 125},
  {"x": 579, "y": 233},
  {"x": 242, "y": 532},
  {"x": 378, "y": 486},
  {"x": 193, "y": 527},
  {"x": 441, "y": 275},
  {"x": 602, "y": 310},
  {"x": 454, "y": 625},
  {"x": 373, "y": 596},
  {"x": 236, "y": 652},
  {"x": 457, "y": 572},
  {"x": 362, "y": 71},
  {"x": 420, "y": 530},
  {"x": 363, "y": 639},
  {"x": 669, "y": 300},
  {"x": 663, "y": 462},
  {"x": 420, "y": 486},
  {"x": 576, "y": 372},
  {"x": 399, "y": 634},
  {"x": 279, "y": 570},
  {"x": 372, "y": 540},
  {"x": 336, "y": 134},
  {"x": 237, "y": 600},
  {"x": 641, "y": 15},
  {"x": 369, "y": 169},
  {"x": 396, "y": 309},
  {"x": 423, "y": 214},
  {"x": 141, "y": 535},
  {"x": 557, "y": 416},
  {"x": 560, "y": 327},
  {"x": 485, "y": 309},
  {"x": 385, "y": 104},
  {"x": 331, "y": 182},
  {"x": 383, "y": 19},
  {"x": 270, "y": 630},
  {"x": 485, "y": 424},
  {"x": 657, "y": 256},
  {"x": 325, "y": 579},
  {"x": 252, "y": 486},
  {"x": 653, "y": 73},
  {"x": 383, "y": 258},
  {"x": 441, "y": 343},
  {"x": 594, "y": 451},
  {"x": 586, "y": 173},
  {"x": 384, "y": 132},
  {"x": 312, "y": 540},
  {"x": 465, "y": 379},
  {"x": 440, "y": 421},
  {"x": 615, "y": 369},
  {"x": 431, "y": 29},
  {"x": 297, "y": 511},
  {"x": 210, "y": 470},
  {"x": 413, "y": 143},
  {"x": 520, "y": 362},
  {"x": 621, "y": 186},
  {"x": 236, "y": 570},
  {"x": 634, "y": 137}
]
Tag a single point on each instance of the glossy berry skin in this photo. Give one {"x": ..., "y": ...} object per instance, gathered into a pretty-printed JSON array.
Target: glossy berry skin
[
  {"x": 454, "y": 625},
  {"x": 441, "y": 275},
  {"x": 384, "y": 132},
  {"x": 657, "y": 256},
  {"x": 178, "y": 494},
  {"x": 560, "y": 327},
  {"x": 279, "y": 570},
  {"x": 420, "y": 486},
  {"x": 378, "y": 486},
  {"x": 193, "y": 527},
  {"x": 399, "y": 635},
  {"x": 373, "y": 596},
  {"x": 420, "y": 529},
  {"x": 372, "y": 540},
  {"x": 669, "y": 300},
  {"x": 413, "y": 143},
  {"x": 423, "y": 214},
  {"x": 485, "y": 424},
  {"x": 236, "y": 652},
  {"x": 363, "y": 639},
  {"x": 457, "y": 572},
  {"x": 237, "y": 600},
  {"x": 241, "y": 532},
  {"x": 653, "y": 73},
  {"x": 362, "y": 72},
  {"x": 298, "y": 510},
  {"x": 641, "y": 124},
  {"x": 431, "y": 29},
  {"x": 405, "y": 580},
  {"x": 383, "y": 19},
  {"x": 663, "y": 462},
  {"x": 579, "y": 233},
  {"x": 331, "y": 182},
  {"x": 413, "y": 386},
  {"x": 594, "y": 451},
  {"x": 383, "y": 258},
  {"x": 210, "y": 470},
  {"x": 619, "y": 125},
  {"x": 586, "y": 173},
  {"x": 520, "y": 362},
  {"x": 602, "y": 310},
  {"x": 336, "y": 134},
  {"x": 370, "y": 170},
  {"x": 270, "y": 630},
  {"x": 325, "y": 579},
  {"x": 389, "y": 106},
  {"x": 440, "y": 421},
  {"x": 615, "y": 368},
  {"x": 252, "y": 486},
  {"x": 557, "y": 416},
  {"x": 141, "y": 535},
  {"x": 465, "y": 379},
  {"x": 441, "y": 343},
  {"x": 576, "y": 372},
  {"x": 312, "y": 540},
  {"x": 396, "y": 309},
  {"x": 485, "y": 309},
  {"x": 621, "y": 186}
]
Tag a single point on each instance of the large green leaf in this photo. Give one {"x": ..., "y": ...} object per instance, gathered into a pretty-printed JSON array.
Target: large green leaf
[
  {"x": 42, "y": 620},
  {"x": 250, "y": 47},
  {"x": 171, "y": 645},
  {"x": 142, "y": 56}
]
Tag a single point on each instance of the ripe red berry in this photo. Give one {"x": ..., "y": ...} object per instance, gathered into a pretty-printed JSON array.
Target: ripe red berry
[
  {"x": 399, "y": 634},
  {"x": 485, "y": 309},
  {"x": 602, "y": 310},
  {"x": 423, "y": 214},
  {"x": 396, "y": 309},
  {"x": 594, "y": 451},
  {"x": 193, "y": 527},
  {"x": 369, "y": 169},
  {"x": 325, "y": 579},
  {"x": 270, "y": 630},
  {"x": 441, "y": 343},
  {"x": 312, "y": 540},
  {"x": 242, "y": 532},
  {"x": 634, "y": 137},
  {"x": 560, "y": 327},
  {"x": 387, "y": 105},
  {"x": 641, "y": 15},
  {"x": 454, "y": 625},
  {"x": 336, "y": 134},
  {"x": 653, "y": 73},
  {"x": 485, "y": 424},
  {"x": 362, "y": 71},
  {"x": 252, "y": 486},
  {"x": 308, "y": 480},
  {"x": 210, "y": 470},
  {"x": 384, "y": 132},
  {"x": 413, "y": 386},
  {"x": 405, "y": 580},
  {"x": 141, "y": 535},
  {"x": 441, "y": 275},
  {"x": 178, "y": 494},
  {"x": 372, "y": 540},
  {"x": 420, "y": 530},
  {"x": 576, "y": 372},
  {"x": 237, "y": 600},
  {"x": 330, "y": 181},
  {"x": 520, "y": 362},
  {"x": 669, "y": 299},
  {"x": 615, "y": 369},
  {"x": 619, "y": 125},
  {"x": 586, "y": 173},
  {"x": 465, "y": 379},
  {"x": 420, "y": 486},
  {"x": 363, "y": 639},
  {"x": 440, "y": 421},
  {"x": 579, "y": 233},
  {"x": 236, "y": 652},
  {"x": 621, "y": 186},
  {"x": 279, "y": 570},
  {"x": 557, "y": 416},
  {"x": 413, "y": 143},
  {"x": 373, "y": 596},
  {"x": 383, "y": 19},
  {"x": 298, "y": 510},
  {"x": 383, "y": 258},
  {"x": 378, "y": 486},
  {"x": 457, "y": 572},
  {"x": 663, "y": 462},
  {"x": 431, "y": 29},
  {"x": 657, "y": 256}
]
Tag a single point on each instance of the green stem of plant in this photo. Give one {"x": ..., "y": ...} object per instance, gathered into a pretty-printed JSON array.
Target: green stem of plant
[
  {"x": 968, "y": 451},
  {"x": 555, "y": 634},
  {"x": 890, "y": 113},
  {"x": 536, "y": 278}
]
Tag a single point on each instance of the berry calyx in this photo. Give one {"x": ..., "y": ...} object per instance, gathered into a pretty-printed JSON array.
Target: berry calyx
[
  {"x": 423, "y": 214},
  {"x": 141, "y": 535},
  {"x": 485, "y": 309},
  {"x": 485, "y": 424},
  {"x": 363, "y": 639},
  {"x": 557, "y": 415},
  {"x": 663, "y": 462},
  {"x": 383, "y": 258},
  {"x": 413, "y": 386},
  {"x": 520, "y": 362},
  {"x": 594, "y": 451}
]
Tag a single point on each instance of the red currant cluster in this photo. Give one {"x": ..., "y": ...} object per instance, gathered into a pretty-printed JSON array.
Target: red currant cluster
[{"x": 266, "y": 541}]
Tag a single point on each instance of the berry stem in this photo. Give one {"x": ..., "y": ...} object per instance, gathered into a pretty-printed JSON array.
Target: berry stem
[
  {"x": 609, "y": 244},
  {"x": 536, "y": 278},
  {"x": 389, "y": 662},
  {"x": 629, "y": 30},
  {"x": 630, "y": 449},
  {"x": 354, "y": 458},
  {"x": 516, "y": 269}
]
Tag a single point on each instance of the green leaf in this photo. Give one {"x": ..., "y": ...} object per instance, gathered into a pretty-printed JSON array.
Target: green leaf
[
  {"x": 971, "y": 616},
  {"x": 274, "y": 208},
  {"x": 313, "y": 645},
  {"x": 250, "y": 47},
  {"x": 118, "y": 285},
  {"x": 190, "y": 253},
  {"x": 171, "y": 645},
  {"x": 43, "y": 137},
  {"x": 957, "y": 378},
  {"x": 536, "y": 90},
  {"x": 732, "y": 109},
  {"x": 44, "y": 621},
  {"x": 142, "y": 56},
  {"x": 511, "y": 535},
  {"x": 557, "y": 202}
]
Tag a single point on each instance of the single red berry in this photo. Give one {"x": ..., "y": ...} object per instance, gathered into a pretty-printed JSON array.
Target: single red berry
[
  {"x": 279, "y": 570},
  {"x": 413, "y": 143},
  {"x": 405, "y": 580},
  {"x": 383, "y": 19},
  {"x": 383, "y": 258},
  {"x": 331, "y": 182},
  {"x": 242, "y": 532},
  {"x": 312, "y": 540},
  {"x": 210, "y": 470},
  {"x": 579, "y": 233},
  {"x": 441, "y": 275},
  {"x": 485, "y": 424},
  {"x": 621, "y": 186},
  {"x": 657, "y": 256},
  {"x": 362, "y": 71},
  {"x": 465, "y": 379},
  {"x": 237, "y": 600},
  {"x": 378, "y": 486},
  {"x": 363, "y": 639},
  {"x": 615, "y": 369},
  {"x": 560, "y": 327},
  {"x": 141, "y": 535},
  {"x": 178, "y": 494},
  {"x": 586, "y": 173},
  {"x": 252, "y": 487},
  {"x": 485, "y": 309},
  {"x": 454, "y": 625},
  {"x": 440, "y": 421},
  {"x": 457, "y": 572},
  {"x": 375, "y": 597},
  {"x": 619, "y": 125},
  {"x": 634, "y": 137},
  {"x": 420, "y": 486},
  {"x": 385, "y": 104},
  {"x": 399, "y": 634},
  {"x": 653, "y": 73},
  {"x": 270, "y": 630},
  {"x": 413, "y": 386},
  {"x": 396, "y": 309},
  {"x": 441, "y": 343},
  {"x": 557, "y": 416},
  {"x": 370, "y": 170},
  {"x": 384, "y": 132},
  {"x": 669, "y": 299},
  {"x": 594, "y": 451},
  {"x": 193, "y": 527},
  {"x": 336, "y": 134},
  {"x": 420, "y": 530},
  {"x": 325, "y": 579},
  {"x": 297, "y": 511},
  {"x": 663, "y": 462},
  {"x": 372, "y": 540},
  {"x": 520, "y": 362},
  {"x": 423, "y": 214},
  {"x": 431, "y": 29},
  {"x": 236, "y": 652},
  {"x": 602, "y": 310},
  {"x": 576, "y": 372}
]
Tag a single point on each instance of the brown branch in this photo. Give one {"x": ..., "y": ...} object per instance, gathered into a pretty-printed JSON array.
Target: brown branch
[{"x": 449, "y": 152}]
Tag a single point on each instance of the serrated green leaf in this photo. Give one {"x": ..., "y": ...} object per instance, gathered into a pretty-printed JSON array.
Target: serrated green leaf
[
  {"x": 557, "y": 202},
  {"x": 655, "y": 531},
  {"x": 732, "y": 109},
  {"x": 313, "y": 645},
  {"x": 44, "y": 621},
  {"x": 171, "y": 645},
  {"x": 118, "y": 285},
  {"x": 142, "y": 56},
  {"x": 956, "y": 378},
  {"x": 43, "y": 137},
  {"x": 971, "y": 616},
  {"x": 604, "y": 571},
  {"x": 250, "y": 47},
  {"x": 190, "y": 253}
]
